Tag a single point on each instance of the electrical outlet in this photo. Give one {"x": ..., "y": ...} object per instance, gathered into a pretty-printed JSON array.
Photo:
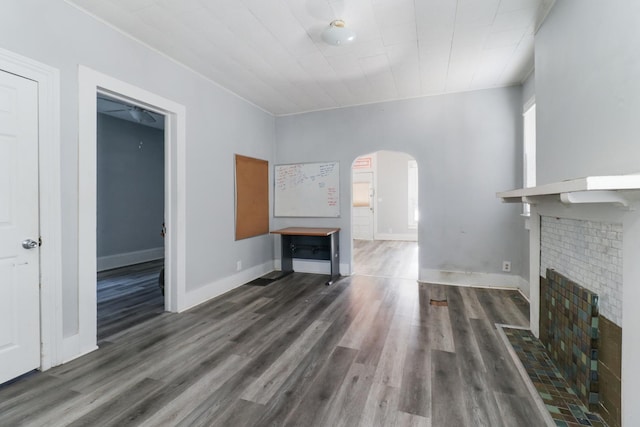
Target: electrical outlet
[
  {"x": 506, "y": 266},
  {"x": 238, "y": 265}
]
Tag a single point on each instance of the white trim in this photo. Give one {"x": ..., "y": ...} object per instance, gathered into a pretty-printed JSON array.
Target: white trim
[
  {"x": 90, "y": 83},
  {"x": 313, "y": 266},
  {"x": 48, "y": 79},
  {"x": 472, "y": 279},
  {"x": 129, "y": 258},
  {"x": 70, "y": 347},
  {"x": 211, "y": 290},
  {"x": 408, "y": 237}
]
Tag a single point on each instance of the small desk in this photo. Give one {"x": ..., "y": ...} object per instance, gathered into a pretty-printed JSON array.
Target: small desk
[{"x": 310, "y": 243}]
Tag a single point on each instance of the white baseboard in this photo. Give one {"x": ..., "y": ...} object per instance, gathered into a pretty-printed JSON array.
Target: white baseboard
[
  {"x": 313, "y": 266},
  {"x": 72, "y": 348},
  {"x": 121, "y": 260},
  {"x": 402, "y": 237},
  {"x": 463, "y": 278},
  {"x": 524, "y": 287},
  {"x": 219, "y": 287}
]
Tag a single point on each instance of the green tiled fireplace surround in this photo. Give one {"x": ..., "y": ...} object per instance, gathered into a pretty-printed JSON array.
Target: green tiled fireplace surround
[{"x": 571, "y": 322}]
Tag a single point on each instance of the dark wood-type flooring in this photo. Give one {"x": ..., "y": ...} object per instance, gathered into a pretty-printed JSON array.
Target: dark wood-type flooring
[
  {"x": 366, "y": 351},
  {"x": 386, "y": 258},
  {"x": 128, "y": 296}
]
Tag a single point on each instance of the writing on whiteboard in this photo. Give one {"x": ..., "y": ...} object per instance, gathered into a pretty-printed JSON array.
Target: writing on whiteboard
[{"x": 307, "y": 189}]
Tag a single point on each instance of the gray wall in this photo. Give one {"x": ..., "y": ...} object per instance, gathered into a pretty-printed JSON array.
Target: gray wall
[
  {"x": 588, "y": 90},
  {"x": 467, "y": 145},
  {"x": 529, "y": 87},
  {"x": 130, "y": 186},
  {"x": 218, "y": 124},
  {"x": 392, "y": 188}
]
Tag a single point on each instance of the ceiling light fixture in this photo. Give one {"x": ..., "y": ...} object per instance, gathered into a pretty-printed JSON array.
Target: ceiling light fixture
[
  {"x": 336, "y": 34},
  {"x": 141, "y": 115}
]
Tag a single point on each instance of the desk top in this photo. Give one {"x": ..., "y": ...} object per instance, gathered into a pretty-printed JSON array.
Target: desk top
[{"x": 306, "y": 231}]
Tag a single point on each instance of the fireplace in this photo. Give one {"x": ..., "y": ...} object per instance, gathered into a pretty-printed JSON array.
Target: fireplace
[{"x": 585, "y": 235}]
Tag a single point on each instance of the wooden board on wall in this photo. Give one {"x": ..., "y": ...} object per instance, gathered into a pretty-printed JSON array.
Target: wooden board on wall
[{"x": 252, "y": 197}]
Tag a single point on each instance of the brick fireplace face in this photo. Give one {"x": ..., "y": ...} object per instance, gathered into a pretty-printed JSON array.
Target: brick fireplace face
[{"x": 589, "y": 253}]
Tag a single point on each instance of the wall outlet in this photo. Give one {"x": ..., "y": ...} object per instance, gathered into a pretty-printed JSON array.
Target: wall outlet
[
  {"x": 238, "y": 265},
  {"x": 506, "y": 266}
]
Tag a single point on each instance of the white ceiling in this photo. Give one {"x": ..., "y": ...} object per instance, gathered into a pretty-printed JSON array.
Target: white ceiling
[{"x": 270, "y": 51}]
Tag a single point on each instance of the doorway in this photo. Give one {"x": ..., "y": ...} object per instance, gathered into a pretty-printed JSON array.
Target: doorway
[
  {"x": 92, "y": 83},
  {"x": 130, "y": 215},
  {"x": 384, "y": 215}
]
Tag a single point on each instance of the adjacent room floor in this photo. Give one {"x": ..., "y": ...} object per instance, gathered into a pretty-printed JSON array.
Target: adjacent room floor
[
  {"x": 128, "y": 296},
  {"x": 367, "y": 351},
  {"x": 386, "y": 258}
]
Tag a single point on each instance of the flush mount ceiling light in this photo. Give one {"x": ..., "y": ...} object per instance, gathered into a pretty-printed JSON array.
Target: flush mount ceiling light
[{"x": 336, "y": 34}]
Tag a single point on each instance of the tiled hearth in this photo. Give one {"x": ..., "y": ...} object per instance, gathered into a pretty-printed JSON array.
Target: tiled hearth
[{"x": 560, "y": 400}]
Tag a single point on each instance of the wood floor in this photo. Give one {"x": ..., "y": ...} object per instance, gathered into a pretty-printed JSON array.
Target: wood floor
[
  {"x": 128, "y": 296},
  {"x": 366, "y": 351},
  {"x": 386, "y": 258}
]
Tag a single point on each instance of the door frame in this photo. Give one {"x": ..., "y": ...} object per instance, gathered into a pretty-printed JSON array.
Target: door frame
[
  {"x": 50, "y": 215},
  {"x": 91, "y": 83}
]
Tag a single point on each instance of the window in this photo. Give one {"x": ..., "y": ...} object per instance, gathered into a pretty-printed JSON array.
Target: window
[
  {"x": 529, "y": 149},
  {"x": 412, "y": 182},
  {"x": 361, "y": 194}
]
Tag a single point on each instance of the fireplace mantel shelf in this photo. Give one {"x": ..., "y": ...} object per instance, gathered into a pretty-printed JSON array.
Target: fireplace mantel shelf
[{"x": 615, "y": 189}]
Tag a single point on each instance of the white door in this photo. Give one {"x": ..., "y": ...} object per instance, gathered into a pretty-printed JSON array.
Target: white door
[
  {"x": 362, "y": 209},
  {"x": 19, "y": 266}
]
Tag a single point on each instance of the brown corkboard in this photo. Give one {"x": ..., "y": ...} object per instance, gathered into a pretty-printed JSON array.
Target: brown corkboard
[{"x": 252, "y": 197}]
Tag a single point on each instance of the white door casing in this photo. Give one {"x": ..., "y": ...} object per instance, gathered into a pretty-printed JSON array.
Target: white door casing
[
  {"x": 362, "y": 210},
  {"x": 19, "y": 221}
]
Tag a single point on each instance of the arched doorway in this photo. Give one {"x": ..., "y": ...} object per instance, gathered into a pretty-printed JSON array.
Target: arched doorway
[{"x": 384, "y": 215}]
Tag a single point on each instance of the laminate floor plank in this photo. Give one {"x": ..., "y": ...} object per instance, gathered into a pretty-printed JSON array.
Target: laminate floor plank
[
  {"x": 314, "y": 408},
  {"x": 381, "y": 407},
  {"x": 518, "y": 410},
  {"x": 467, "y": 351},
  {"x": 351, "y": 397},
  {"x": 473, "y": 308},
  {"x": 415, "y": 395},
  {"x": 501, "y": 371},
  {"x": 365, "y": 351},
  {"x": 448, "y": 405},
  {"x": 385, "y": 258},
  {"x": 389, "y": 371},
  {"x": 127, "y": 296}
]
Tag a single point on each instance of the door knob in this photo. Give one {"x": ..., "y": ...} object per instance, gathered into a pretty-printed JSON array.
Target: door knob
[{"x": 29, "y": 244}]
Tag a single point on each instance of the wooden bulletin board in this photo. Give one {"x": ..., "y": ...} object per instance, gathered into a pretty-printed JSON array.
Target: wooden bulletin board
[{"x": 252, "y": 197}]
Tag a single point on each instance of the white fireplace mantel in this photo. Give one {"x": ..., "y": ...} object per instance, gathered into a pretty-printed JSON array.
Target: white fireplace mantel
[{"x": 614, "y": 189}]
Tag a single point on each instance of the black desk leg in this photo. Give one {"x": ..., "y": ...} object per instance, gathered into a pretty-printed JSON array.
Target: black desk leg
[
  {"x": 286, "y": 261},
  {"x": 335, "y": 258}
]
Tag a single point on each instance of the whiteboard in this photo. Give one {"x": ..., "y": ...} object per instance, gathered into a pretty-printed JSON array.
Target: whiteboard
[{"x": 307, "y": 189}]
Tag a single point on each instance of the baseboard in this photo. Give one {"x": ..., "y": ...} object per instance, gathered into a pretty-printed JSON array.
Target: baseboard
[
  {"x": 219, "y": 287},
  {"x": 313, "y": 266},
  {"x": 473, "y": 279},
  {"x": 129, "y": 258},
  {"x": 401, "y": 237},
  {"x": 72, "y": 349},
  {"x": 524, "y": 288}
]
